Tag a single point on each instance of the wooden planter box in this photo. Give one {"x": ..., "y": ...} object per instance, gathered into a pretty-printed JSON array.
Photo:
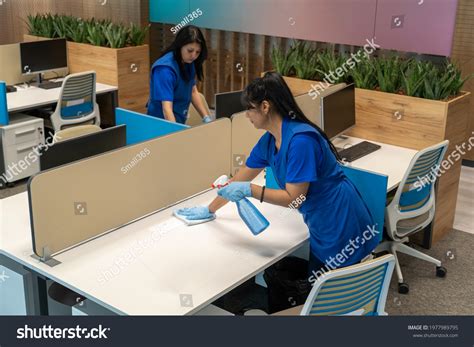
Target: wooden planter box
[
  {"x": 418, "y": 123},
  {"x": 127, "y": 68}
]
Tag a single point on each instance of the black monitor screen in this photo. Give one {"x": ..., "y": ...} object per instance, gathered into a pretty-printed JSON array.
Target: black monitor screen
[
  {"x": 338, "y": 111},
  {"x": 228, "y": 103},
  {"x": 42, "y": 56}
]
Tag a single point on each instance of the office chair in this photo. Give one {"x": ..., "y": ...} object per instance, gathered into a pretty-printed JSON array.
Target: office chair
[
  {"x": 413, "y": 208},
  {"x": 356, "y": 290},
  {"x": 77, "y": 102},
  {"x": 76, "y": 131},
  {"x": 193, "y": 115}
]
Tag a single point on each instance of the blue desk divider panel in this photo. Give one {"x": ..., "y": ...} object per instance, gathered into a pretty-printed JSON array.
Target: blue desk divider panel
[
  {"x": 371, "y": 186},
  {"x": 3, "y": 104},
  {"x": 141, "y": 127},
  {"x": 373, "y": 189}
]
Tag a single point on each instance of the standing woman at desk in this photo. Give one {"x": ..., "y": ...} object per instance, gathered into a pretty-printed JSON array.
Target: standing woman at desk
[
  {"x": 173, "y": 77},
  {"x": 305, "y": 164}
]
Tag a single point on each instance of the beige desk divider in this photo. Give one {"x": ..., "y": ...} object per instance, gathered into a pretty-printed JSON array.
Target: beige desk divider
[
  {"x": 312, "y": 108},
  {"x": 244, "y": 138},
  {"x": 80, "y": 201}
]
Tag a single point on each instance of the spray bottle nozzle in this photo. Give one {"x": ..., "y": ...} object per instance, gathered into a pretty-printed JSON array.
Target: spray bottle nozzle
[{"x": 222, "y": 181}]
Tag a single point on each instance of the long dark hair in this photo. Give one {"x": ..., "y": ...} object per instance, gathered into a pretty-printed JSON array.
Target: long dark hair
[
  {"x": 273, "y": 88},
  {"x": 186, "y": 35}
]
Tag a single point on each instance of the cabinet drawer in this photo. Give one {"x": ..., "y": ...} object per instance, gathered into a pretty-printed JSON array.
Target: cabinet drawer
[
  {"x": 21, "y": 133},
  {"x": 22, "y": 160}
]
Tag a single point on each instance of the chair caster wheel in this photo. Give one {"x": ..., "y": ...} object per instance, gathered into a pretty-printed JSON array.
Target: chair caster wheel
[
  {"x": 403, "y": 288},
  {"x": 441, "y": 271}
]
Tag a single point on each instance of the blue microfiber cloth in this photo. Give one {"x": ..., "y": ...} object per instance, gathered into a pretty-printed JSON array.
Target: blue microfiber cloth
[{"x": 192, "y": 221}]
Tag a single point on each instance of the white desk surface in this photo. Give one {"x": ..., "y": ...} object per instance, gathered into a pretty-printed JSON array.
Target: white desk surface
[
  {"x": 160, "y": 258},
  {"x": 32, "y": 97},
  {"x": 389, "y": 160},
  {"x": 204, "y": 261}
]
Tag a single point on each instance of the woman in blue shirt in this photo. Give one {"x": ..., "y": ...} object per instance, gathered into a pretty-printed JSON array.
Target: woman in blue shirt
[
  {"x": 173, "y": 77},
  {"x": 305, "y": 164}
]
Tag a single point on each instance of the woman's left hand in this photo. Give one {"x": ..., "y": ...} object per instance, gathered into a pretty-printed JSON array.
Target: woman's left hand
[{"x": 235, "y": 191}]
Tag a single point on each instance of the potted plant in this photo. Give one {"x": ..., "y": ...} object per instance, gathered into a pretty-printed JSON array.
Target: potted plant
[
  {"x": 116, "y": 52},
  {"x": 297, "y": 70}
]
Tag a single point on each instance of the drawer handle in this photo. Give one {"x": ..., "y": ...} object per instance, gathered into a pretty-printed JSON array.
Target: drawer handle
[
  {"x": 134, "y": 67},
  {"x": 22, "y": 149},
  {"x": 19, "y": 133}
]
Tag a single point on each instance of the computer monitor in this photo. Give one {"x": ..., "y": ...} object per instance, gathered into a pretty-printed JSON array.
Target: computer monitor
[
  {"x": 43, "y": 56},
  {"x": 338, "y": 111},
  {"x": 228, "y": 103},
  {"x": 81, "y": 147}
]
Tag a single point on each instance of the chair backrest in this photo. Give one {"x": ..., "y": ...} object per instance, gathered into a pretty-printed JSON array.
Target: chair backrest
[
  {"x": 359, "y": 289},
  {"x": 77, "y": 101},
  {"x": 193, "y": 115},
  {"x": 73, "y": 132},
  {"x": 416, "y": 190}
]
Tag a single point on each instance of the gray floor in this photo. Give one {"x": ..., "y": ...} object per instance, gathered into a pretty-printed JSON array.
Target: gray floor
[
  {"x": 465, "y": 205},
  {"x": 19, "y": 187},
  {"x": 429, "y": 295}
]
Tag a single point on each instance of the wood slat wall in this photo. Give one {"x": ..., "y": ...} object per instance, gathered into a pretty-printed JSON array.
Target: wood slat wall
[
  {"x": 234, "y": 58},
  {"x": 463, "y": 52}
]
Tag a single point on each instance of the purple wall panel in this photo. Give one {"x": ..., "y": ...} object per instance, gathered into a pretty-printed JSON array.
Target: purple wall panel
[
  {"x": 340, "y": 21},
  {"x": 422, "y": 26}
]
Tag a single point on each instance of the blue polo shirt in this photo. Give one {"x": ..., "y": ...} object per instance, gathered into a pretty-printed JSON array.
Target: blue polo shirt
[
  {"x": 167, "y": 84},
  {"x": 333, "y": 211}
]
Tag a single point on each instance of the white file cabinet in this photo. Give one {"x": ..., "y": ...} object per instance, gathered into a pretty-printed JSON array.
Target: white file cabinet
[{"x": 18, "y": 140}]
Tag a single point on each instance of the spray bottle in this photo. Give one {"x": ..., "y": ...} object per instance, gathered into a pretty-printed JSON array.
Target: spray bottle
[{"x": 251, "y": 216}]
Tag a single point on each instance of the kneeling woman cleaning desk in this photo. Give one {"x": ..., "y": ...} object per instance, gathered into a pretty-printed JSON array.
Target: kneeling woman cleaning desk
[{"x": 305, "y": 163}]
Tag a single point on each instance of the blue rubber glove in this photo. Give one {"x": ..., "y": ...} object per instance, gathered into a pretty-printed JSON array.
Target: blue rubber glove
[
  {"x": 195, "y": 213},
  {"x": 235, "y": 191},
  {"x": 206, "y": 119}
]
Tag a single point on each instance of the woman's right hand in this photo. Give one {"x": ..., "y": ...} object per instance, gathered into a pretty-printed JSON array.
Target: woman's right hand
[{"x": 196, "y": 213}]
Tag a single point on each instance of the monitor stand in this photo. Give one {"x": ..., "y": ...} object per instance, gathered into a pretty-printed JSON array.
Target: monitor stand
[
  {"x": 38, "y": 81},
  {"x": 45, "y": 84}
]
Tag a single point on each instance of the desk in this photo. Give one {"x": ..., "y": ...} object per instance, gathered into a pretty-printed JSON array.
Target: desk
[
  {"x": 34, "y": 97},
  {"x": 159, "y": 266},
  {"x": 389, "y": 160},
  {"x": 147, "y": 267}
]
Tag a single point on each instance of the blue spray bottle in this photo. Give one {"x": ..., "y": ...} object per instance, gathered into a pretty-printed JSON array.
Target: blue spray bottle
[
  {"x": 3, "y": 104},
  {"x": 251, "y": 216}
]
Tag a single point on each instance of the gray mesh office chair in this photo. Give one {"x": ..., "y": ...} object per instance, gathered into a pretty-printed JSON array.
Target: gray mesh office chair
[
  {"x": 77, "y": 102},
  {"x": 413, "y": 208}
]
